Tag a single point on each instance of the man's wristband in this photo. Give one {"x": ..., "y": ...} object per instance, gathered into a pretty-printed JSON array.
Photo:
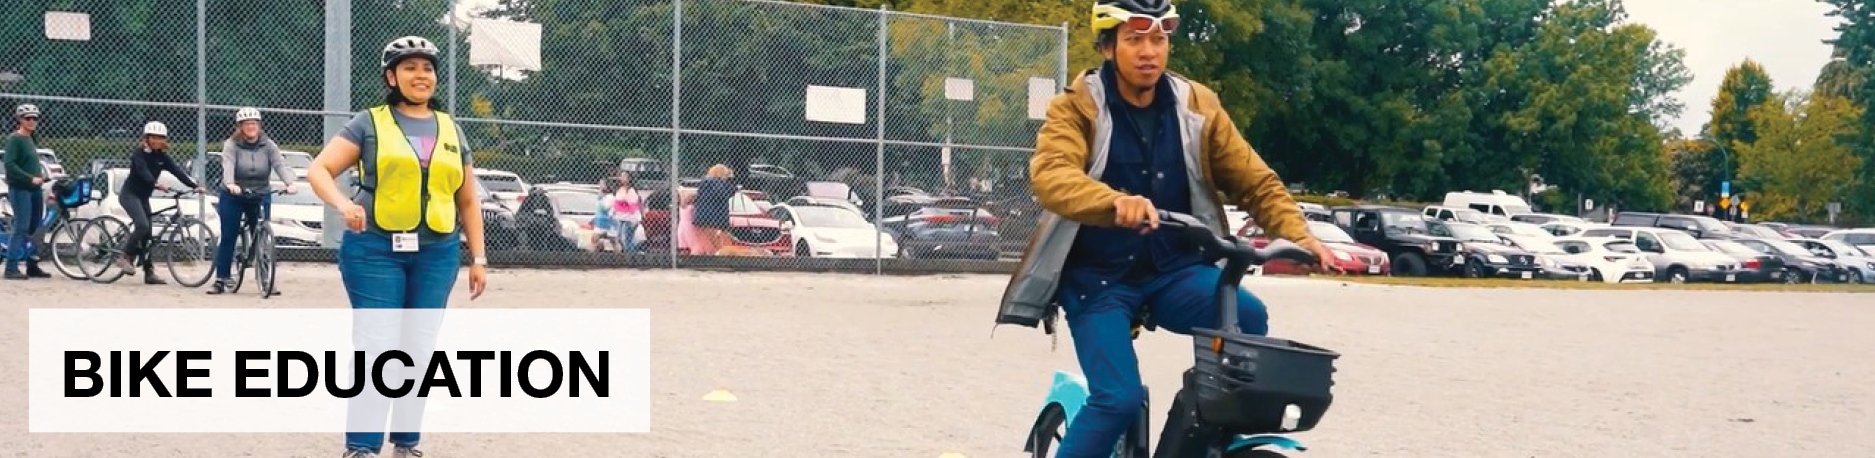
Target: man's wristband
[{"x": 480, "y": 261}]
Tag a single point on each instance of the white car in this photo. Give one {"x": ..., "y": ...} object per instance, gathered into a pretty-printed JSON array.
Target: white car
[
  {"x": 506, "y": 187},
  {"x": 1677, "y": 256},
  {"x": 159, "y": 200},
  {"x": 1523, "y": 229},
  {"x": 1569, "y": 228},
  {"x": 1863, "y": 238},
  {"x": 832, "y": 231},
  {"x": 1612, "y": 260}
]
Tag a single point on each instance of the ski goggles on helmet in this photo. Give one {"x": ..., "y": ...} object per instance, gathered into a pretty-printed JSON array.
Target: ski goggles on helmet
[{"x": 1109, "y": 16}]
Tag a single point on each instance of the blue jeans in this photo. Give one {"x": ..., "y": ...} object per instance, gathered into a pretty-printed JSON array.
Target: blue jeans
[
  {"x": 29, "y": 209},
  {"x": 377, "y": 278},
  {"x": 1102, "y": 322},
  {"x": 234, "y": 210},
  {"x": 625, "y": 231}
]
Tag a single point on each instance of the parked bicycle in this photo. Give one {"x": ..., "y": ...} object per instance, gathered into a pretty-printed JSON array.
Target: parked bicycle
[
  {"x": 255, "y": 248},
  {"x": 184, "y": 242},
  {"x": 60, "y": 228}
]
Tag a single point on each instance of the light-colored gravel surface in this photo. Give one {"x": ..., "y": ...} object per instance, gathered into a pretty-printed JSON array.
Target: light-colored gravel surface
[{"x": 865, "y": 366}]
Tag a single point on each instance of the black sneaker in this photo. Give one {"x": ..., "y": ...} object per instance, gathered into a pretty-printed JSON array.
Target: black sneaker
[
  {"x": 219, "y": 287},
  {"x": 16, "y": 275},
  {"x": 150, "y": 278},
  {"x": 33, "y": 270}
]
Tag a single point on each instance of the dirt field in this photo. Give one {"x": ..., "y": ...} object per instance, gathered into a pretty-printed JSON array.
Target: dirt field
[{"x": 870, "y": 367}]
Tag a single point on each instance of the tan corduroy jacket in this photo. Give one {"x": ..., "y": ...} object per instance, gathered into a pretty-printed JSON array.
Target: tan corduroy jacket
[{"x": 1071, "y": 153}]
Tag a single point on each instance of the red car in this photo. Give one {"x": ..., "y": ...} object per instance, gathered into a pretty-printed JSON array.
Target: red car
[
  {"x": 749, "y": 225},
  {"x": 1350, "y": 256}
]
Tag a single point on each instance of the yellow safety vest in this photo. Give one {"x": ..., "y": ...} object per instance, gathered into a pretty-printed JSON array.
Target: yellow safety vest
[{"x": 404, "y": 193}]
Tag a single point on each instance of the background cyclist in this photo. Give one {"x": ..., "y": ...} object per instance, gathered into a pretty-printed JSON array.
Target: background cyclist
[
  {"x": 148, "y": 161},
  {"x": 25, "y": 175},
  {"x": 247, "y": 157}
]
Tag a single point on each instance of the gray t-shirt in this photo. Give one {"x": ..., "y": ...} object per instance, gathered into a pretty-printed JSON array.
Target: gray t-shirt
[{"x": 421, "y": 133}]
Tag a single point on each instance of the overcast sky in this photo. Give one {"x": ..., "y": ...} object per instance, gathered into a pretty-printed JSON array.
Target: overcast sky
[{"x": 1786, "y": 36}]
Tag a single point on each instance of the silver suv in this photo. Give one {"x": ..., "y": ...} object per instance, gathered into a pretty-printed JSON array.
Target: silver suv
[{"x": 1676, "y": 255}]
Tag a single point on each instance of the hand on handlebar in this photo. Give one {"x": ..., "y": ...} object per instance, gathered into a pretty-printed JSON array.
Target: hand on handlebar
[
  {"x": 1132, "y": 211},
  {"x": 234, "y": 189},
  {"x": 1324, "y": 259}
]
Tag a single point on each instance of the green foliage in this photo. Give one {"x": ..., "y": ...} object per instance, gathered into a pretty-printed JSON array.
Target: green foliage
[
  {"x": 1799, "y": 161},
  {"x": 1848, "y": 76}
]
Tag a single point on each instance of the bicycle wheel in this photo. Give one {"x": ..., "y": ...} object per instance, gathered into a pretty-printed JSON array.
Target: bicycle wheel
[
  {"x": 103, "y": 243},
  {"x": 67, "y": 247},
  {"x": 264, "y": 261},
  {"x": 237, "y": 267},
  {"x": 188, "y": 247}
]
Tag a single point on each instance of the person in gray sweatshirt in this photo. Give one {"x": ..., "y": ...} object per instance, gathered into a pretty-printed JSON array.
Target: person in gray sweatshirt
[{"x": 247, "y": 157}]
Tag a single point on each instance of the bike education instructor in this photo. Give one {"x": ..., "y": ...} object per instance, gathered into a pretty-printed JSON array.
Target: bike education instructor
[
  {"x": 417, "y": 200},
  {"x": 1124, "y": 141},
  {"x": 246, "y": 158}
]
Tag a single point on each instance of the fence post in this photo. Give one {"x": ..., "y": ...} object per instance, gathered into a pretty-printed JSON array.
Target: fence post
[
  {"x": 1062, "y": 82},
  {"x": 677, "y": 81},
  {"x": 338, "y": 95},
  {"x": 878, "y": 158},
  {"x": 452, "y": 55},
  {"x": 201, "y": 102}
]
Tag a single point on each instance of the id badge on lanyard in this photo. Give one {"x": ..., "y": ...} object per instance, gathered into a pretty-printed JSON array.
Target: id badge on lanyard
[{"x": 404, "y": 242}]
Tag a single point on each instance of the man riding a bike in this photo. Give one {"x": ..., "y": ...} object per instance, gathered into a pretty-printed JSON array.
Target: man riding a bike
[{"x": 1124, "y": 141}]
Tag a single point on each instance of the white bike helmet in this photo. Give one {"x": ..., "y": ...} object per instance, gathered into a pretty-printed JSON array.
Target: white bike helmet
[
  {"x": 246, "y": 114},
  {"x": 26, "y": 110},
  {"x": 156, "y": 128},
  {"x": 408, "y": 46}
]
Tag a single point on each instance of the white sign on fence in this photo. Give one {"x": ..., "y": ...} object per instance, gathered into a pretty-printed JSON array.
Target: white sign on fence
[
  {"x": 836, "y": 104},
  {"x": 506, "y": 45},
  {"x": 1041, "y": 91},
  {"x": 962, "y": 89},
  {"x": 61, "y": 25}
]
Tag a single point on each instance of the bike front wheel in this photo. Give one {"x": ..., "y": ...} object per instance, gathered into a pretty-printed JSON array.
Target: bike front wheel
[
  {"x": 264, "y": 261},
  {"x": 101, "y": 244},
  {"x": 189, "y": 250},
  {"x": 237, "y": 269},
  {"x": 67, "y": 247}
]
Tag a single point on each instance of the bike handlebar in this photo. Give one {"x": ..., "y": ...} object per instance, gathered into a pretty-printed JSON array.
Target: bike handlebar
[
  {"x": 1230, "y": 247},
  {"x": 1238, "y": 255}
]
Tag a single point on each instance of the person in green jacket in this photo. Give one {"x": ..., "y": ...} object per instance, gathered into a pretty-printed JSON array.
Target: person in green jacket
[{"x": 25, "y": 178}]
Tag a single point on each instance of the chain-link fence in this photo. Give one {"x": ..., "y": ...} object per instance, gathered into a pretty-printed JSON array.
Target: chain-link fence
[{"x": 856, "y": 138}]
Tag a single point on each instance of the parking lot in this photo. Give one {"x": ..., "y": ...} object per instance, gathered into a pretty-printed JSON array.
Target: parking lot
[{"x": 828, "y": 365}]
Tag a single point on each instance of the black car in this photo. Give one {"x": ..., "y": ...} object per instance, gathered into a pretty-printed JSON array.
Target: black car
[
  {"x": 1800, "y": 265},
  {"x": 1402, "y": 233},
  {"x": 1702, "y": 227},
  {"x": 1753, "y": 266},
  {"x": 1482, "y": 254}
]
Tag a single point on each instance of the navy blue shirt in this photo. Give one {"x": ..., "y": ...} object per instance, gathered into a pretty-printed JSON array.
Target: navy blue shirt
[{"x": 1146, "y": 158}]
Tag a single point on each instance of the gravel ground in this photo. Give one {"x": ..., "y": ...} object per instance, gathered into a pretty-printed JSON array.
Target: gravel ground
[{"x": 864, "y": 366}]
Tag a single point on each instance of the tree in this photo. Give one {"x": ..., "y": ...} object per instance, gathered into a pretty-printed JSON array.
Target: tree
[
  {"x": 1854, "y": 60},
  {"x": 1746, "y": 87},
  {"x": 1801, "y": 160}
]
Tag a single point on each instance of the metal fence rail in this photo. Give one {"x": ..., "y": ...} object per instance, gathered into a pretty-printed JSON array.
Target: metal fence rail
[{"x": 855, "y": 135}]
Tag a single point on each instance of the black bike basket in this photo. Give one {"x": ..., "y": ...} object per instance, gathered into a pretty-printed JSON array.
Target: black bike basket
[{"x": 1246, "y": 382}]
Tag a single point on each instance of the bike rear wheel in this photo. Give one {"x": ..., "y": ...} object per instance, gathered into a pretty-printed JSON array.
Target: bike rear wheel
[
  {"x": 189, "y": 250},
  {"x": 67, "y": 247},
  {"x": 102, "y": 242}
]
